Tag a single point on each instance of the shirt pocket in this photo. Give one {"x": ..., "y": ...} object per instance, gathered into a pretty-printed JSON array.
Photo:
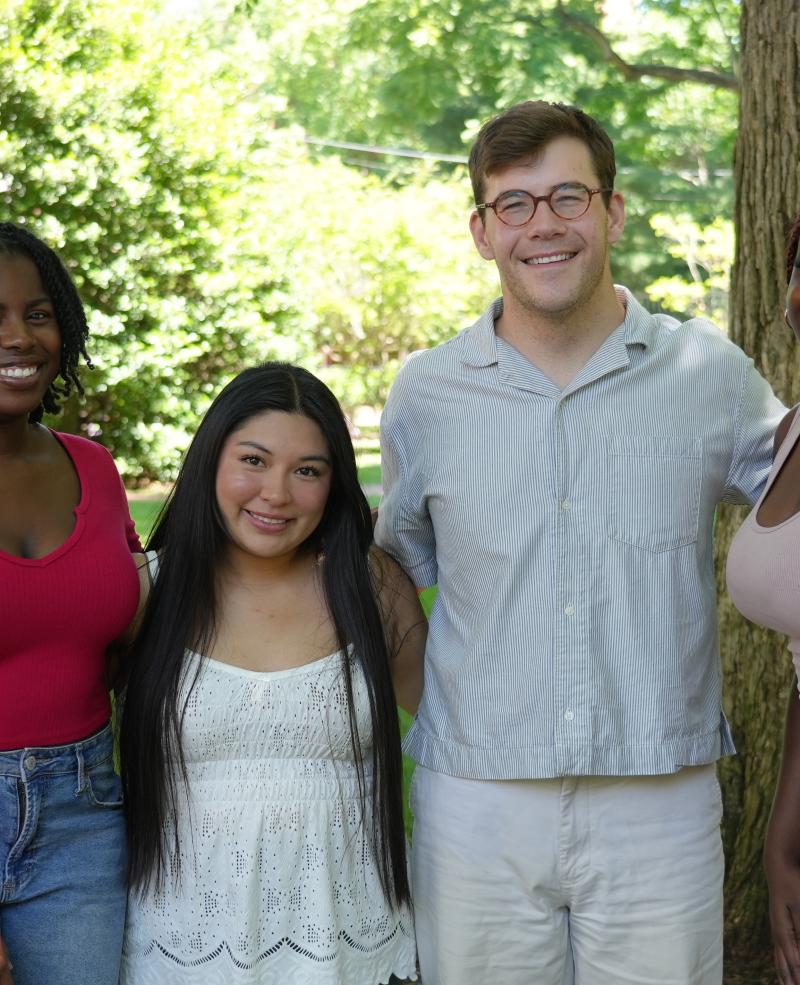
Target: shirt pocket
[{"x": 654, "y": 490}]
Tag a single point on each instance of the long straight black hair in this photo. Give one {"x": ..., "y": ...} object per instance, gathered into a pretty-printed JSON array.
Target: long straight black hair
[{"x": 191, "y": 539}]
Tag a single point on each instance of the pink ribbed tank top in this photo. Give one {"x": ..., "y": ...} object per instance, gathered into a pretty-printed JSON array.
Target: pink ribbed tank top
[{"x": 763, "y": 570}]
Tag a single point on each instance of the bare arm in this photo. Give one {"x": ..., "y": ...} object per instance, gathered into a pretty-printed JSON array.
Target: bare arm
[
  {"x": 117, "y": 650},
  {"x": 406, "y": 628},
  {"x": 782, "y": 853}
]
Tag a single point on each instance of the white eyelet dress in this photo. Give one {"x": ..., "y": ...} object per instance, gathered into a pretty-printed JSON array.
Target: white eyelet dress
[{"x": 277, "y": 881}]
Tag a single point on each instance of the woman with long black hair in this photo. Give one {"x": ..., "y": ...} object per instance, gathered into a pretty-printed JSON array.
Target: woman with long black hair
[{"x": 260, "y": 743}]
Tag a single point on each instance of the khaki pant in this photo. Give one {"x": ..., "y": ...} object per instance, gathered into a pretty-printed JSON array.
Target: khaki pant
[{"x": 574, "y": 881}]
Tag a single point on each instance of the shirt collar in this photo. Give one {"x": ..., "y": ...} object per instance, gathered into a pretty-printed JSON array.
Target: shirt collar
[
  {"x": 639, "y": 327},
  {"x": 480, "y": 341}
]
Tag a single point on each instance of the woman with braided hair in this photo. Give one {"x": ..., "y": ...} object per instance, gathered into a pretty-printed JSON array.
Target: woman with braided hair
[{"x": 68, "y": 588}]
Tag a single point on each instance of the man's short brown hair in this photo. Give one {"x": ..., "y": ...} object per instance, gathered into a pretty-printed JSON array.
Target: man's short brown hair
[{"x": 525, "y": 130}]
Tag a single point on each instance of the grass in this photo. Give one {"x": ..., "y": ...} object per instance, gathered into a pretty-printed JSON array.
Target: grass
[{"x": 144, "y": 513}]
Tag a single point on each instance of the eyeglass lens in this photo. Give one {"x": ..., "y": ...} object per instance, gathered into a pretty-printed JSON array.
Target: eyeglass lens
[{"x": 515, "y": 208}]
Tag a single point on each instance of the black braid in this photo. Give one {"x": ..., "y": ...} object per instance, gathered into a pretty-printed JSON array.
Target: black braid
[{"x": 67, "y": 308}]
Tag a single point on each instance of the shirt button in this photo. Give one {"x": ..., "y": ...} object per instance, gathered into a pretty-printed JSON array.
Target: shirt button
[
  {"x": 566, "y": 505},
  {"x": 569, "y": 715},
  {"x": 569, "y": 610},
  {"x": 30, "y": 763}
]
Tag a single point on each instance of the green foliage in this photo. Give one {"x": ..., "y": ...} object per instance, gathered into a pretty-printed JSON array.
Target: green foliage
[
  {"x": 165, "y": 156},
  {"x": 378, "y": 271},
  {"x": 708, "y": 255},
  {"x": 426, "y": 74},
  {"x": 104, "y": 150}
]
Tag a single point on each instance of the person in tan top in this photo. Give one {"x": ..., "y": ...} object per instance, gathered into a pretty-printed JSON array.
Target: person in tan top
[{"x": 764, "y": 582}]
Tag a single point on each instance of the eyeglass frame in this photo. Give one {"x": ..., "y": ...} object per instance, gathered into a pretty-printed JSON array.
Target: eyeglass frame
[{"x": 542, "y": 198}]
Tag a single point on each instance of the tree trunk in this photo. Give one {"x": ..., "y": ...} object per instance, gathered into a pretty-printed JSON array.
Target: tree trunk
[{"x": 757, "y": 668}]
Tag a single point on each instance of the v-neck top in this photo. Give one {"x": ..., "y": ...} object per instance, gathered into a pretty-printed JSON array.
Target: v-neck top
[
  {"x": 59, "y": 613},
  {"x": 763, "y": 570}
]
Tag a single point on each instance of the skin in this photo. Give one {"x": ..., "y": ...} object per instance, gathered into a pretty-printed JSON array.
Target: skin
[
  {"x": 6, "y": 977},
  {"x": 556, "y": 314},
  {"x": 273, "y": 480},
  {"x": 782, "y": 846},
  {"x": 38, "y": 484}
]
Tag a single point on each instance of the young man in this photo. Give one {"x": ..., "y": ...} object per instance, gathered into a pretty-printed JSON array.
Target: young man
[{"x": 555, "y": 468}]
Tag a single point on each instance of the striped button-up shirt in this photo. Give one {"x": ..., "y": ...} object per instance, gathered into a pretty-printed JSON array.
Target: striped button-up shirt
[{"x": 570, "y": 533}]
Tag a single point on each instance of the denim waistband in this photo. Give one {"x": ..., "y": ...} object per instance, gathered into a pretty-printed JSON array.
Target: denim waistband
[{"x": 73, "y": 757}]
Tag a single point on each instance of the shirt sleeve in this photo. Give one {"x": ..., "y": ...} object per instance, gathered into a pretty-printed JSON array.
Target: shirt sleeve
[
  {"x": 131, "y": 537},
  {"x": 759, "y": 413},
  {"x": 404, "y": 528}
]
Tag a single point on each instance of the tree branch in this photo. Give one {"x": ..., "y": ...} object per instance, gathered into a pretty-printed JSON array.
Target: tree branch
[{"x": 633, "y": 70}]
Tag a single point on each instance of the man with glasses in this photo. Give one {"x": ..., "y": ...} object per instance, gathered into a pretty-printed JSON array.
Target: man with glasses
[{"x": 555, "y": 469}]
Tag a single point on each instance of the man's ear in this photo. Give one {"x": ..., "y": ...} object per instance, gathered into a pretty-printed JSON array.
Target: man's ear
[
  {"x": 478, "y": 230},
  {"x": 616, "y": 217}
]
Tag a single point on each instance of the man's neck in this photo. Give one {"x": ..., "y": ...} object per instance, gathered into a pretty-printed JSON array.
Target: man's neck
[{"x": 560, "y": 345}]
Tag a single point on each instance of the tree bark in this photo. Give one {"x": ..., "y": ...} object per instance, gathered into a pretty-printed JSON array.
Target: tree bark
[{"x": 757, "y": 668}]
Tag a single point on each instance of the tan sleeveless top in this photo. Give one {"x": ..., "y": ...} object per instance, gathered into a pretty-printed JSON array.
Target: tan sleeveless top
[{"x": 763, "y": 570}]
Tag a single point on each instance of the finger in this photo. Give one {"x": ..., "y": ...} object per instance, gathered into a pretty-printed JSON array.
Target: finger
[
  {"x": 5, "y": 965},
  {"x": 791, "y": 947},
  {"x": 782, "y": 968},
  {"x": 787, "y": 968}
]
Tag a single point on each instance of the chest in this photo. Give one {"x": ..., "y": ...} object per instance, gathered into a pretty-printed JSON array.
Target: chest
[
  {"x": 783, "y": 498},
  {"x": 39, "y": 500},
  {"x": 234, "y": 715},
  {"x": 273, "y": 628}
]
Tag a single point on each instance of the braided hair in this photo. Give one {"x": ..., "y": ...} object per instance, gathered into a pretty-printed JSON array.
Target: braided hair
[{"x": 16, "y": 241}]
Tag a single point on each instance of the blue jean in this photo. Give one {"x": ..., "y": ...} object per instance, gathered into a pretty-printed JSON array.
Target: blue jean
[{"x": 63, "y": 863}]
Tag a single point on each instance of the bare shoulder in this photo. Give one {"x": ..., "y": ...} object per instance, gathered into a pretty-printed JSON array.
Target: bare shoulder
[{"x": 783, "y": 429}]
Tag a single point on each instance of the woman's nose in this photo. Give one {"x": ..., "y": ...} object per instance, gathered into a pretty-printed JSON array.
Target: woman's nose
[{"x": 15, "y": 332}]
